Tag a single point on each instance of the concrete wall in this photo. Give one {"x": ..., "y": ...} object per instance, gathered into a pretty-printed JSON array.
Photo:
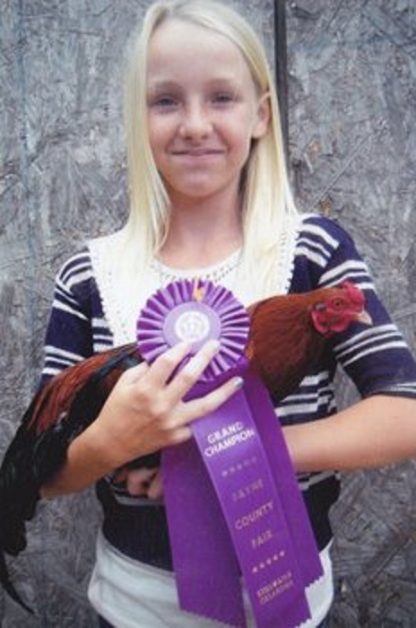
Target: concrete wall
[{"x": 62, "y": 178}]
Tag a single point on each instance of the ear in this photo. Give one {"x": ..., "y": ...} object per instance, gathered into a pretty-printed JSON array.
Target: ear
[{"x": 262, "y": 120}]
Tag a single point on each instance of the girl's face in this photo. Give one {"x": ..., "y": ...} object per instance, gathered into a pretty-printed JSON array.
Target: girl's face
[{"x": 203, "y": 111}]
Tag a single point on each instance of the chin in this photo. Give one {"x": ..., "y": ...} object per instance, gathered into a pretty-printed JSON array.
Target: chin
[{"x": 199, "y": 189}]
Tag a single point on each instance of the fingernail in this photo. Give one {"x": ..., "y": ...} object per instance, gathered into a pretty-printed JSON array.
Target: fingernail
[
  {"x": 183, "y": 347},
  {"x": 213, "y": 346},
  {"x": 238, "y": 382}
]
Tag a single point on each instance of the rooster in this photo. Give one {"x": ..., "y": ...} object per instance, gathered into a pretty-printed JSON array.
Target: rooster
[{"x": 287, "y": 339}]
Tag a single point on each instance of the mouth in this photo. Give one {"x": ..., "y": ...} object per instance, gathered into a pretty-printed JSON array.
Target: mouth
[{"x": 198, "y": 152}]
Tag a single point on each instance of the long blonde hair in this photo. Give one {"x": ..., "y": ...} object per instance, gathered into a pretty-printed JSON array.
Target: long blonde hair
[{"x": 267, "y": 201}]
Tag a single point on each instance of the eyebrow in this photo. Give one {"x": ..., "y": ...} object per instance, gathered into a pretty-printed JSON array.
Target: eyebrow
[
  {"x": 168, "y": 85},
  {"x": 158, "y": 86}
]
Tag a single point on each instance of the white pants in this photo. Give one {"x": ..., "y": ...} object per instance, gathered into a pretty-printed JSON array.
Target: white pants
[{"x": 129, "y": 594}]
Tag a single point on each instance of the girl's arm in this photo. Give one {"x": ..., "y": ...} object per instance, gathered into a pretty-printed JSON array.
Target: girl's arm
[
  {"x": 142, "y": 414},
  {"x": 374, "y": 432}
]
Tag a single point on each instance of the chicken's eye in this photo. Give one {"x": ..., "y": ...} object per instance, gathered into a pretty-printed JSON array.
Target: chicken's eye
[{"x": 337, "y": 304}]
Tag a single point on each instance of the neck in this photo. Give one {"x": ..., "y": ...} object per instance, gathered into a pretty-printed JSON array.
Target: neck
[{"x": 202, "y": 232}]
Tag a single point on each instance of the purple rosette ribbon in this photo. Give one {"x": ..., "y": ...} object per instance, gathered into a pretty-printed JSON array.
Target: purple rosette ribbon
[{"x": 232, "y": 501}]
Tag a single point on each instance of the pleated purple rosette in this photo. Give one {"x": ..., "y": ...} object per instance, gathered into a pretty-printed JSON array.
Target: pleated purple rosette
[
  {"x": 232, "y": 501},
  {"x": 194, "y": 311}
]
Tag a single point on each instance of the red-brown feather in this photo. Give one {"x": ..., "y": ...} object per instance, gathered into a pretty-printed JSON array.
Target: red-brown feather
[
  {"x": 285, "y": 344},
  {"x": 57, "y": 395}
]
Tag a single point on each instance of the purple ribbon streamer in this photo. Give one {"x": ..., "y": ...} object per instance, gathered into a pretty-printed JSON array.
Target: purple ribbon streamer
[
  {"x": 284, "y": 477},
  {"x": 206, "y": 569},
  {"x": 202, "y": 547}
]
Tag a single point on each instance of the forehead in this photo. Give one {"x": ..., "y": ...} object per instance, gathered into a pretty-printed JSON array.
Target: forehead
[{"x": 179, "y": 49}]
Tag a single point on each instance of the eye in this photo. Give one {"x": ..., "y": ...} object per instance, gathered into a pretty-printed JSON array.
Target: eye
[
  {"x": 163, "y": 102},
  {"x": 337, "y": 304},
  {"x": 222, "y": 98}
]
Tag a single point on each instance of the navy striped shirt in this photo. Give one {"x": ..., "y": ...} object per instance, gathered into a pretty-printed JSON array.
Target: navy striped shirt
[{"x": 377, "y": 359}]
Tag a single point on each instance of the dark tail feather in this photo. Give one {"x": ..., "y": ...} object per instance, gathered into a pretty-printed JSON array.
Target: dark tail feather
[
  {"x": 32, "y": 459},
  {"x": 8, "y": 585}
]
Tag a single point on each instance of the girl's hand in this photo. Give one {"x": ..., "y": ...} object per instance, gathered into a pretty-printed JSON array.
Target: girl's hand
[{"x": 144, "y": 413}]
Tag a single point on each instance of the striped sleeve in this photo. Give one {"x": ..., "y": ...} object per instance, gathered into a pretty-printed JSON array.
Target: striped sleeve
[
  {"x": 69, "y": 334},
  {"x": 377, "y": 358}
]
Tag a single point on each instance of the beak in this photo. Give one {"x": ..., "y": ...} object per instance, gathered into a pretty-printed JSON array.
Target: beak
[{"x": 364, "y": 318}]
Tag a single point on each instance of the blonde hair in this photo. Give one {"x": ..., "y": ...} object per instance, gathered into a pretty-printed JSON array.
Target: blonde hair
[{"x": 266, "y": 197}]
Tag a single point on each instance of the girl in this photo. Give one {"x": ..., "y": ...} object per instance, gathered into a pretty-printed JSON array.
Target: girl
[{"x": 210, "y": 199}]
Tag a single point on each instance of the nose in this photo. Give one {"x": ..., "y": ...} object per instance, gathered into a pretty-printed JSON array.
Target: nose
[{"x": 195, "y": 123}]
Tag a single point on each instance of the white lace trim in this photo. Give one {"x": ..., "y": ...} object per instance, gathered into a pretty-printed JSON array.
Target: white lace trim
[
  {"x": 117, "y": 298},
  {"x": 286, "y": 253},
  {"x": 215, "y": 273},
  {"x": 123, "y": 297}
]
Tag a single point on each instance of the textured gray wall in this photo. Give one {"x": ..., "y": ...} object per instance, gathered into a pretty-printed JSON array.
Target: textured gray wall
[
  {"x": 352, "y": 68},
  {"x": 62, "y": 179},
  {"x": 352, "y": 95}
]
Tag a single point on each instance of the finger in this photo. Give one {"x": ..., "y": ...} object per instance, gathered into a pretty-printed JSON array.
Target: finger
[
  {"x": 181, "y": 433},
  {"x": 190, "y": 374},
  {"x": 139, "y": 480},
  {"x": 163, "y": 367},
  {"x": 132, "y": 375},
  {"x": 204, "y": 405},
  {"x": 155, "y": 490},
  {"x": 120, "y": 475}
]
